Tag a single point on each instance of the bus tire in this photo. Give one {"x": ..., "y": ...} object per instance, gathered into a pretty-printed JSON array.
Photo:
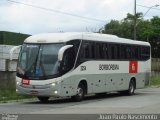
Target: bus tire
[
  {"x": 43, "y": 99},
  {"x": 80, "y": 93},
  {"x": 131, "y": 88}
]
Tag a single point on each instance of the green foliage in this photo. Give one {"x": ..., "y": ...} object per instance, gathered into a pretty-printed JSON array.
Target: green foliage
[
  {"x": 113, "y": 27},
  {"x": 147, "y": 30},
  {"x": 155, "y": 81},
  {"x": 8, "y": 93},
  {"x": 10, "y": 38},
  {"x": 132, "y": 17}
]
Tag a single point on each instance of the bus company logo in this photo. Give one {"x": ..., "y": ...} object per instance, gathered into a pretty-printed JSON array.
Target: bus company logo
[
  {"x": 108, "y": 67},
  {"x": 133, "y": 66}
]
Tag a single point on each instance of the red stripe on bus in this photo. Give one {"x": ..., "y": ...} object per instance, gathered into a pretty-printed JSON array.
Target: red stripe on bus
[{"x": 133, "y": 66}]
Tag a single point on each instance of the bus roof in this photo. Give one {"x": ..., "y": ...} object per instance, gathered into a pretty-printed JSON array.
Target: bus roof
[{"x": 64, "y": 37}]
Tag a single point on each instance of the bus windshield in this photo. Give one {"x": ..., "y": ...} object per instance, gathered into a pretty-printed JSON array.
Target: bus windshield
[{"x": 38, "y": 61}]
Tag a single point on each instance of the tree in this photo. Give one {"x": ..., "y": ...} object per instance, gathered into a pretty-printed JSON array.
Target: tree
[
  {"x": 131, "y": 17},
  {"x": 112, "y": 27},
  {"x": 147, "y": 30},
  {"x": 154, "y": 38}
]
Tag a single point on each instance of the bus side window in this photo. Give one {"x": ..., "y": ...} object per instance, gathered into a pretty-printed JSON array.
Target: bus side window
[
  {"x": 100, "y": 50},
  {"x": 75, "y": 44},
  {"x": 86, "y": 51},
  {"x": 110, "y": 52},
  {"x": 113, "y": 51},
  {"x": 122, "y": 52},
  {"x": 70, "y": 55},
  {"x": 136, "y": 52},
  {"x": 106, "y": 51},
  {"x": 145, "y": 53},
  {"x": 128, "y": 52},
  {"x": 92, "y": 52},
  {"x": 97, "y": 51},
  {"x": 118, "y": 52}
]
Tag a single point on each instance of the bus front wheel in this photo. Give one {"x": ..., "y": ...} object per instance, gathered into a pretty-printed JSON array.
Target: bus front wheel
[{"x": 80, "y": 93}]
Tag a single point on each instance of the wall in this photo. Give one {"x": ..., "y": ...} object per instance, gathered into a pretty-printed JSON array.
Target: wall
[
  {"x": 155, "y": 64},
  {"x": 7, "y": 67},
  {"x": 7, "y": 79}
]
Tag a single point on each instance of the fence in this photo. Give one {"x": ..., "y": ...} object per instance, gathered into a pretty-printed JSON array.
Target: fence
[
  {"x": 155, "y": 64},
  {"x": 7, "y": 67}
]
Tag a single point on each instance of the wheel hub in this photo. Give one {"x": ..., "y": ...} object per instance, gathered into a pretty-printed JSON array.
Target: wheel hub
[{"x": 79, "y": 92}]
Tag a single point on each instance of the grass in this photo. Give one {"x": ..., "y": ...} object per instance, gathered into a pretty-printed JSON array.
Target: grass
[
  {"x": 155, "y": 81},
  {"x": 8, "y": 94}
]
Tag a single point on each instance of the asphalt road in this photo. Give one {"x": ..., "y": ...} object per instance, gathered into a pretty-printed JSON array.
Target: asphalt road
[{"x": 143, "y": 102}]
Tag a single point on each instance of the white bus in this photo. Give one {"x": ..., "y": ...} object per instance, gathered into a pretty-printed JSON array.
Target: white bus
[{"x": 76, "y": 64}]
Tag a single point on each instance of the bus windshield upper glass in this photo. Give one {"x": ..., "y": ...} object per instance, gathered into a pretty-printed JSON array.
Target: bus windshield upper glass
[{"x": 38, "y": 60}]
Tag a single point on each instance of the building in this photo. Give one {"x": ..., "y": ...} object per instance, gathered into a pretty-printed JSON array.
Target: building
[{"x": 7, "y": 67}]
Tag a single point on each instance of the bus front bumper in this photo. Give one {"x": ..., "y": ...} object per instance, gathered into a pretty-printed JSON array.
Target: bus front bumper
[{"x": 32, "y": 90}]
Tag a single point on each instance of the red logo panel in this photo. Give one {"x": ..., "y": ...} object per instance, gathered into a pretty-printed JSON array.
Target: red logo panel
[
  {"x": 25, "y": 82},
  {"x": 133, "y": 66}
]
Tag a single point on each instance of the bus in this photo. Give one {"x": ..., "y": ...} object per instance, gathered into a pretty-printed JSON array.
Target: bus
[{"x": 76, "y": 64}]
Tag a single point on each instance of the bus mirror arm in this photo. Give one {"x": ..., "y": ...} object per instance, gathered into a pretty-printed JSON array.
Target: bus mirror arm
[{"x": 62, "y": 50}]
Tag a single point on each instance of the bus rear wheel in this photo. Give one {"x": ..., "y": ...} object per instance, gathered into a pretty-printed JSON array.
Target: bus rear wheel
[
  {"x": 80, "y": 93},
  {"x": 130, "y": 90},
  {"x": 43, "y": 99}
]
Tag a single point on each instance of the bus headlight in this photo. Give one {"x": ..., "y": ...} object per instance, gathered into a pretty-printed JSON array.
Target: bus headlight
[
  {"x": 53, "y": 84},
  {"x": 55, "y": 92},
  {"x": 18, "y": 83}
]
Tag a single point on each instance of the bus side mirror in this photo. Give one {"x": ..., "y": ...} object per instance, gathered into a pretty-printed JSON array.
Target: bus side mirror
[{"x": 61, "y": 52}]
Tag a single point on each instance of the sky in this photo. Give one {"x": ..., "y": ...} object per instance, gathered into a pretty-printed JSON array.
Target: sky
[{"x": 59, "y": 15}]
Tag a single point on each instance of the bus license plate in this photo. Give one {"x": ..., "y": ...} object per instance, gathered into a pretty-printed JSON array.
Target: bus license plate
[{"x": 34, "y": 92}]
